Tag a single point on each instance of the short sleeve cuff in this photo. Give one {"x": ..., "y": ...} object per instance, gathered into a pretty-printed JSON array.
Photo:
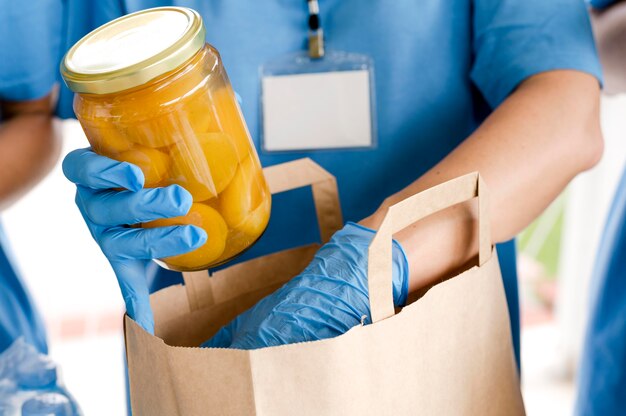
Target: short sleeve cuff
[
  {"x": 498, "y": 81},
  {"x": 600, "y": 4},
  {"x": 31, "y": 88}
]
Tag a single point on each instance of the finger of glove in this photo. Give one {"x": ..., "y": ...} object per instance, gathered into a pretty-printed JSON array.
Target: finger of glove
[
  {"x": 267, "y": 335},
  {"x": 132, "y": 279},
  {"x": 345, "y": 257},
  {"x": 121, "y": 243},
  {"x": 113, "y": 208},
  {"x": 86, "y": 168},
  {"x": 94, "y": 229}
]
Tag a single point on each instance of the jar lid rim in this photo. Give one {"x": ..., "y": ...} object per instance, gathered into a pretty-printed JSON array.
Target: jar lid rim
[{"x": 95, "y": 65}]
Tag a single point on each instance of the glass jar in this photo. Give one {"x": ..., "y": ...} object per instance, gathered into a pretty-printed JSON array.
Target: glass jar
[{"x": 149, "y": 91}]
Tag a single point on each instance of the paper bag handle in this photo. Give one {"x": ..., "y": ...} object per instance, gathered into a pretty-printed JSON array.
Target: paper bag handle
[
  {"x": 304, "y": 172},
  {"x": 286, "y": 177},
  {"x": 409, "y": 211}
]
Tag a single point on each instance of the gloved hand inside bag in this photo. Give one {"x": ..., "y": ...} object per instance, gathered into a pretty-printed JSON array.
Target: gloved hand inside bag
[
  {"x": 107, "y": 210},
  {"x": 326, "y": 300}
]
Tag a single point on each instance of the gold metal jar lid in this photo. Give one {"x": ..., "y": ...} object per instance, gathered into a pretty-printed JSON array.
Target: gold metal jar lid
[{"x": 133, "y": 49}]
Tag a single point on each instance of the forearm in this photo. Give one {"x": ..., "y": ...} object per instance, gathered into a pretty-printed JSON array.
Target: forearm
[
  {"x": 29, "y": 147},
  {"x": 527, "y": 151}
]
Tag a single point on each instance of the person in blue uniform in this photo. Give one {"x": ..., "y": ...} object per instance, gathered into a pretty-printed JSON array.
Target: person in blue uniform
[
  {"x": 601, "y": 383},
  {"x": 602, "y": 374},
  {"x": 29, "y": 147},
  {"x": 508, "y": 88},
  {"x": 19, "y": 316}
]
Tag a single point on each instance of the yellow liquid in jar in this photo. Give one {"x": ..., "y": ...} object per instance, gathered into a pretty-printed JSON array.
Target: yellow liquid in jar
[{"x": 186, "y": 128}]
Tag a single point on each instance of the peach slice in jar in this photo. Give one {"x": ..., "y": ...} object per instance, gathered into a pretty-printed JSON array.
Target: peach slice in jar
[
  {"x": 162, "y": 118},
  {"x": 153, "y": 163},
  {"x": 256, "y": 220},
  {"x": 246, "y": 192},
  {"x": 236, "y": 243},
  {"x": 199, "y": 113},
  {"x": 231, "y": 120},
  {"x": 156, "y": 132},
  {"x": 105, "y": 138},
  {"x": 211, "y": 221},
  {"x": 204, "y": 164}
]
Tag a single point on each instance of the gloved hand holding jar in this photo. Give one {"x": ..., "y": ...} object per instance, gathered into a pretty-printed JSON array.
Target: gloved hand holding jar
[{"x": 173, "y": 115}]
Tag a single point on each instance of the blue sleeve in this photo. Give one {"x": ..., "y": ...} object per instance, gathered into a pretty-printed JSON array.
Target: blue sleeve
[
  {"x": 515, "y": 39},
  {"x": 30, "y": 41},
  {"x": 601, "y": 4}
]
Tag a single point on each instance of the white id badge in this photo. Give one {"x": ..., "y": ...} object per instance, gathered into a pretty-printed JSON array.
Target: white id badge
[{"x": 313, "y": 104}]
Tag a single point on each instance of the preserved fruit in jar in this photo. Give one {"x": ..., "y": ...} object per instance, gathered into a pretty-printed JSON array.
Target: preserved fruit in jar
[{"x": 150, "y": 92}]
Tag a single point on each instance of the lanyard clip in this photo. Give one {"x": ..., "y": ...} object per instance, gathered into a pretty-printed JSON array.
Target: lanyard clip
[
  {"x": 316, "y": 34},
  {"x": 316, "y": 44}
]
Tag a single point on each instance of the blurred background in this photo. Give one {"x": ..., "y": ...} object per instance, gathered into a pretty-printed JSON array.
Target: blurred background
[{"x": 556, "y": 255}]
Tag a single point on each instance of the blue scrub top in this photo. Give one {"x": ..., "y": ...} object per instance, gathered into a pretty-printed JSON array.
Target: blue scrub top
[
  {"x": 440, "y": 67},
  {"x": 18, "y": 314},
  {"x": 602, "y": 376}
]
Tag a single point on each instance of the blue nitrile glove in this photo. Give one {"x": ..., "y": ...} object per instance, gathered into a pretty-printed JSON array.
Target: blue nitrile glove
[
  {"x": 327, "y": 299},
  {"x": 107, "y": 213}
]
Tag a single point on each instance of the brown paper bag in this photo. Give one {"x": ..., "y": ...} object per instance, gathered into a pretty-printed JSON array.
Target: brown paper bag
[{"x": 449, "y": 353}]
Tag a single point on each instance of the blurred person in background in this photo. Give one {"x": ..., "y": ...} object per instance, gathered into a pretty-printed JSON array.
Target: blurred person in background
[
  {"x": 29, "y": 148},
  {"x": 507, "y": 88},
  {"x": 602, "y": 370}
]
